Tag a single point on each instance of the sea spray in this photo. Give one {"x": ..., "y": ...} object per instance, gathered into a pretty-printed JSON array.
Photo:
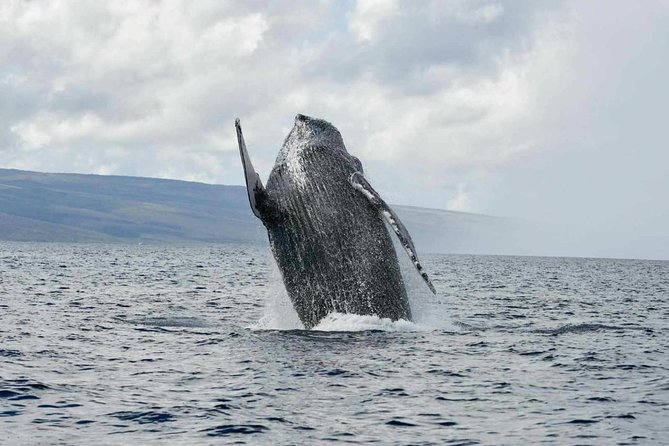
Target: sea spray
[
  {"x": 279, "y": 313},
  {"x": 429, "y": 311}
]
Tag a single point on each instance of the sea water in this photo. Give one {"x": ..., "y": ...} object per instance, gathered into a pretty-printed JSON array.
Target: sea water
[{"x": 146, "y": 344}]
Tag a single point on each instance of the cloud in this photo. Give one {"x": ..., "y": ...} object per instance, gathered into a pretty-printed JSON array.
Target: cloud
[
  {"x": 602, "y": 167},
  {"x": 367, "y": 16},
  {"x": 168, "y": 77},
  {"x": 431, "y": 95}
]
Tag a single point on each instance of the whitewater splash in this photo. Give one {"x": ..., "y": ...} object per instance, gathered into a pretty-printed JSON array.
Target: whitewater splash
[{"x": 429, "y": 310}]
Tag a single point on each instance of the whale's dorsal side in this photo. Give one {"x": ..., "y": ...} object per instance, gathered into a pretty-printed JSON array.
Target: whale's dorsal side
[{"x": 361, "y": 184}]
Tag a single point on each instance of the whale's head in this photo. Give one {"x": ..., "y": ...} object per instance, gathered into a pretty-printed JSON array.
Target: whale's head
[
  {"x": 317, "y": 133},
  {"x": 309, "y": 131},
  {"x": 310, "y": 134}
]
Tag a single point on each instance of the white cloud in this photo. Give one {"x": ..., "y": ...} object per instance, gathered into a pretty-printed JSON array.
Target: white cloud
[
  {"x": 369, "y": 15},
  {"x": 48, "y": 128}
]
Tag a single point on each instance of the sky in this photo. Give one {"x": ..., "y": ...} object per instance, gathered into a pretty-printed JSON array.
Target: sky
[{"x": 544, "y": 111}]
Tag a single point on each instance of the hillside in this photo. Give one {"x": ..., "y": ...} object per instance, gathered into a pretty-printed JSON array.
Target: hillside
[
  {"x": 95, "y": 208},
  {"x": 72, "y": 207}
]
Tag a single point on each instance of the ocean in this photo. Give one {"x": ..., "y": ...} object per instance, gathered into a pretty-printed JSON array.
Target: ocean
[{"x": 197, "y": 344}]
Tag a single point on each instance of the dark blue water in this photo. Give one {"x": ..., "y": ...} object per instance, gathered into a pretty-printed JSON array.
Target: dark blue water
[{"x": 166, "y": 344}]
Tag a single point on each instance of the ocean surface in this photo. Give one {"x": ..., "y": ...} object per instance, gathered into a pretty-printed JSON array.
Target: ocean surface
[{"x": 144, "y": 344}]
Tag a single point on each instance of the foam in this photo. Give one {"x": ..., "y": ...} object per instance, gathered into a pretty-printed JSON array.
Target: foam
[
  {"x": 279, "y": 313},
  {"x": 356, "y": 322}
]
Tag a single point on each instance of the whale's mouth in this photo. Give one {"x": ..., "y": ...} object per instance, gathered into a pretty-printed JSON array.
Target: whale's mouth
[
  {"x": 307, "y": 128},
  {"x": 309, "y": 131},
  {"x": 302, "y": 130}
]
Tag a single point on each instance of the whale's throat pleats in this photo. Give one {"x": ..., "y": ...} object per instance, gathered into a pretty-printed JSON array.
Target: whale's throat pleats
[{"x": 330, "y": 243}]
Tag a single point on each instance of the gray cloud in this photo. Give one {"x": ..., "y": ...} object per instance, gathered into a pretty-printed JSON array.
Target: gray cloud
[{"x": 466, "y": 37}]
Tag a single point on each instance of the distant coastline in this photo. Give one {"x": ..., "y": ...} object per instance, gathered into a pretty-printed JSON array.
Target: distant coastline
[
  {"x": 70, "y": 208},
  {"x": 67, "y": 207}
]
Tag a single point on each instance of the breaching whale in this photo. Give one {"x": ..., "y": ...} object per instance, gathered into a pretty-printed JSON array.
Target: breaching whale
[{"x": 326, "y": 228}]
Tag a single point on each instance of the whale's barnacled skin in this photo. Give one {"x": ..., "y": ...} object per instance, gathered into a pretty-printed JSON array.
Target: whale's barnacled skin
[{"x": 329, "y": 239}]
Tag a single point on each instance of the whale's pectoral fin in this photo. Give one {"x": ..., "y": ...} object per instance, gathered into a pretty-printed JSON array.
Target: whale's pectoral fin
[
  {"x": 254, "y": 188},
  {"x": 360, "y": 183}
]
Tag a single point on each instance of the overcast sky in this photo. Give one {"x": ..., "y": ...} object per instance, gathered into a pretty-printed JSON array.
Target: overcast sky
[{"x": 548, "y": 111}]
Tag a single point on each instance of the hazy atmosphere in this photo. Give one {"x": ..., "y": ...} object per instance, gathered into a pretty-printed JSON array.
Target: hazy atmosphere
[{"x": 545, "y": 111}]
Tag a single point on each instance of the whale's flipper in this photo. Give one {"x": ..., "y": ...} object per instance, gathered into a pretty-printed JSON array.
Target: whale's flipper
[
  {"x": 360, "y": 183},
  {"x": 254, "y": 188}
]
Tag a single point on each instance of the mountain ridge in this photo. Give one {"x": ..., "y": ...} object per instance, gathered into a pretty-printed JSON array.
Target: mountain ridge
[{"x": 75, "y": 207}]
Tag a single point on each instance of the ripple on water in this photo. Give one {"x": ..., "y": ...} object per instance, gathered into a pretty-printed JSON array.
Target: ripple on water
[
  {"x": 147, "y": 417},
  {"x": 225, "y": 430},
  {"x": 10, "y": 353},
  {"x": 148, "y": 343},
  {"x": 20, "y": 389}
]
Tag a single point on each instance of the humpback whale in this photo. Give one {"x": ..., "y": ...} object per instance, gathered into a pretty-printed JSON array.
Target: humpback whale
[{"x": 327, "y": 227}]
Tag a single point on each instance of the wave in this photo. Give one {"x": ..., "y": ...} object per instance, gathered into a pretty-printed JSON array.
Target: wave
[
  {"x": 165, "y": 321},
  {"x": 584, "y": 328}
]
